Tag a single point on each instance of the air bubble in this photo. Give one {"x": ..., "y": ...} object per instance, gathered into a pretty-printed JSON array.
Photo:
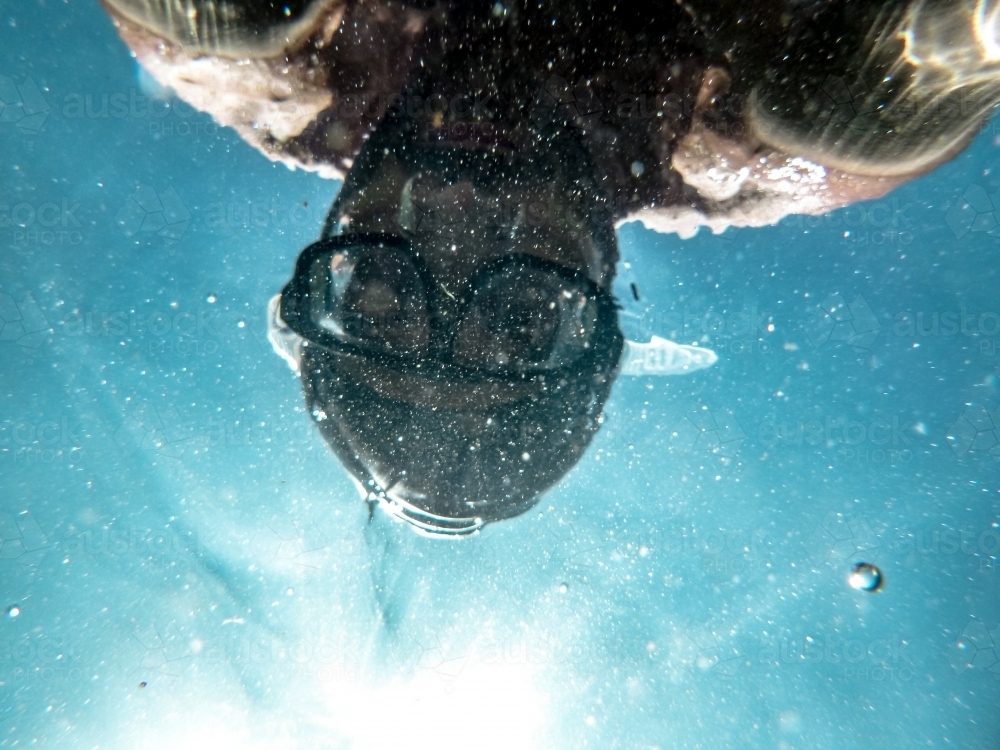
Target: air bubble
[{"x": 865, "y": 577}]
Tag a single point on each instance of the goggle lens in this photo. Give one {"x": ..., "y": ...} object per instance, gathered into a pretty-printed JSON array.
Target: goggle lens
[
  {"x": 525, "y": 319},
  {"x": 525, "y": 314},
  {"x": 370, "y": 296}
]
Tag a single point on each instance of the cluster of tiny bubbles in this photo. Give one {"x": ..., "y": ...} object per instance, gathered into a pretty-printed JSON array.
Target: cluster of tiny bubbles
[
  {"x": 865, "y": 577},
  {"x": 12, "y": 611}
]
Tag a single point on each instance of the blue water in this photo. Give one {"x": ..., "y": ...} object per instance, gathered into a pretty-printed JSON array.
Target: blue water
[{"x": 189, "y": 567}]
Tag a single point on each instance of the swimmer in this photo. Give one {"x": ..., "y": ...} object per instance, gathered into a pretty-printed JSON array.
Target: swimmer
[{"x": 453, "y": 326}]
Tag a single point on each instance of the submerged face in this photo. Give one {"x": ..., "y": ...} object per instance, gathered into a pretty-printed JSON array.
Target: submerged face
[
  {"x": 461, "y": 335},
  {"x": 460, "y": 340}
]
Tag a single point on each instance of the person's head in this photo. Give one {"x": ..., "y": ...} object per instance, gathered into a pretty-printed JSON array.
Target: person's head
[{"x": 461, "y": 339}]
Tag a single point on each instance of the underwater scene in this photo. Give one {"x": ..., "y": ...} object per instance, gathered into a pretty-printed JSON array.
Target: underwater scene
[{"x": 482, "y": 375}]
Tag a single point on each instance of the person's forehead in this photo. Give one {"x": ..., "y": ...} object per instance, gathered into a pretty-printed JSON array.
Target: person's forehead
[{"x": 457, "y": 225}]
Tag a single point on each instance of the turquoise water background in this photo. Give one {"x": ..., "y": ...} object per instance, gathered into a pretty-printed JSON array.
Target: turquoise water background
[{"x": 184, "y": 564}]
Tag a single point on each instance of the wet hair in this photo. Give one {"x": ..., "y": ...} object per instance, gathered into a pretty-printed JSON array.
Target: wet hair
[
  {"x": 451, "y": 456},
  {"x": 232, "y": 28},
  {"x": 887, "y": 88}
]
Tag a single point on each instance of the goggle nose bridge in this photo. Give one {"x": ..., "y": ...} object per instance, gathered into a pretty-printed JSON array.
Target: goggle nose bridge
[{"x": 444, "y": 310}]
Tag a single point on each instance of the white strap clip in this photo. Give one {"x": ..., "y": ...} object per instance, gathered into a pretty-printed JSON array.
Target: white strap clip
[{"x": 662, "y": 357}]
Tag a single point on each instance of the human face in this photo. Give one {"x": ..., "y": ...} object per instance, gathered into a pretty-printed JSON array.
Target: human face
[{"x": 461, "y": 220}]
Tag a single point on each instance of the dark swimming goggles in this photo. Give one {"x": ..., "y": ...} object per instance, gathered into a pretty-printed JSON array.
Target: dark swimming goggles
[{"x": 371, "y": 295}]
